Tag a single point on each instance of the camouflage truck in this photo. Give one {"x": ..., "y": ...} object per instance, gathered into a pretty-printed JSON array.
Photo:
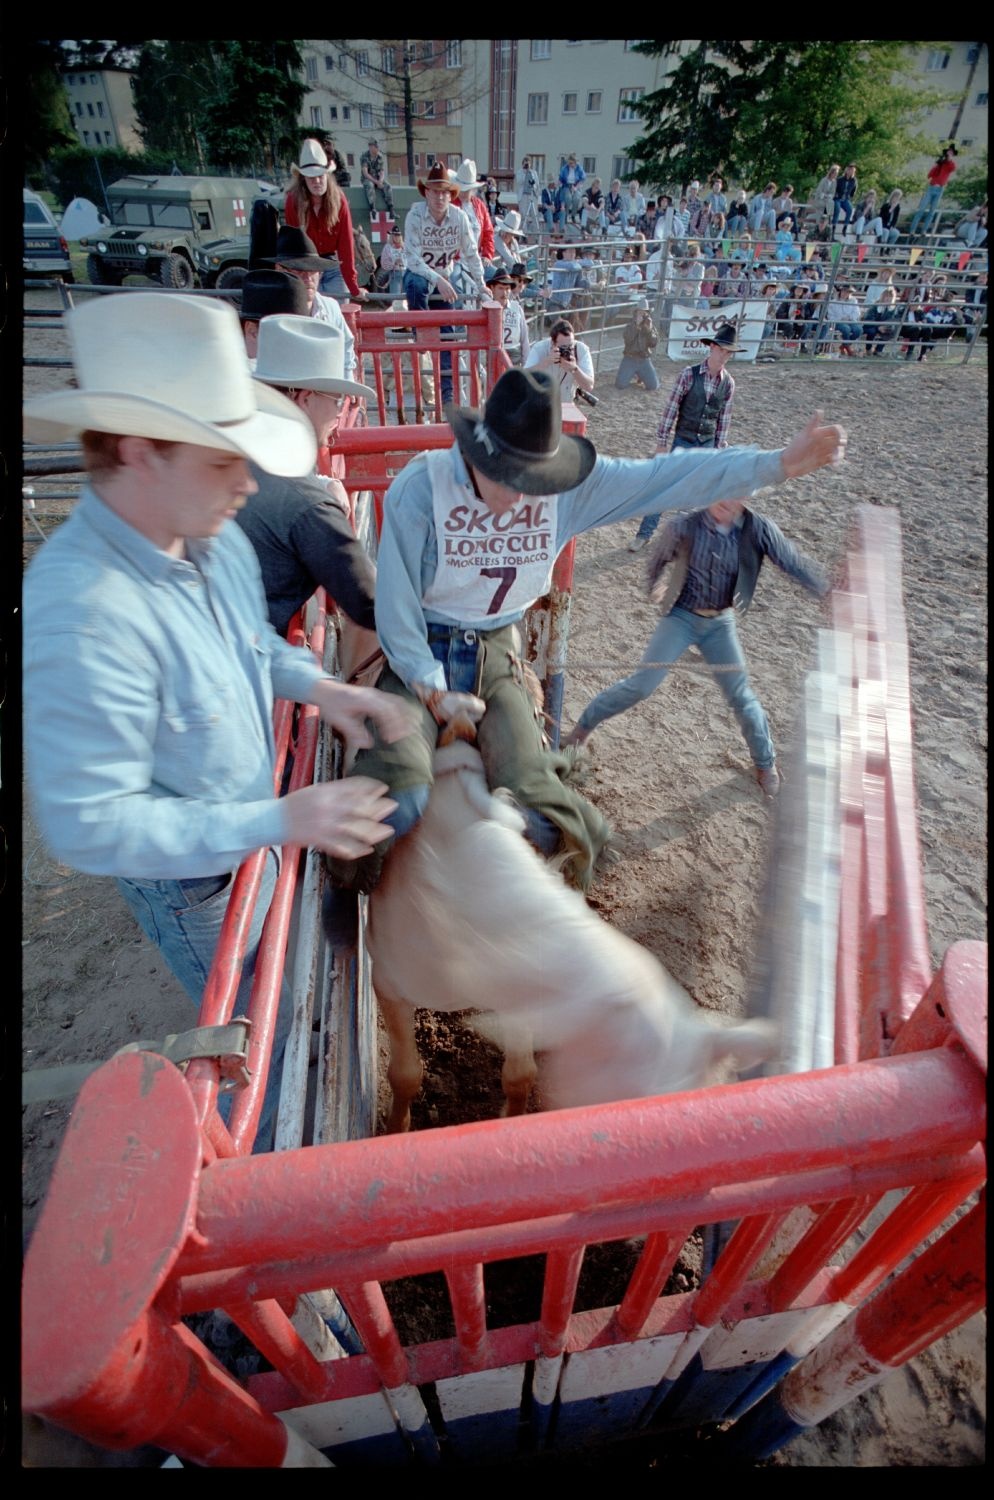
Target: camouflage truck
[
  {"x": 159, "y": 223},
  {"x": 223, "y": 262}
]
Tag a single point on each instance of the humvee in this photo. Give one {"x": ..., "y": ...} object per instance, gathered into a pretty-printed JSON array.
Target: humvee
[{"x": 159, "y": 223}]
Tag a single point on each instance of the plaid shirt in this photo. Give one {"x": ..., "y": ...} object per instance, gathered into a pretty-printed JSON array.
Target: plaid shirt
[{"x": 711, "y": 384}]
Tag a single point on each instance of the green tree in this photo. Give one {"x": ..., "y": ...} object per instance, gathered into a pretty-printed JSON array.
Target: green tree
[
  {"x": 784, "y": 110},
  {"x": 45, "y": 107},
  {"x": 254, "y": 114}
]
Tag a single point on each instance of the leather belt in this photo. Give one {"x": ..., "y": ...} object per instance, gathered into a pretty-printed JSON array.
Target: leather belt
[{"x": 709, "y": 614}]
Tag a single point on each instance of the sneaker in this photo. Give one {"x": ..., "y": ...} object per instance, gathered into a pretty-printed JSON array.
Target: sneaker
[
  {"x": 769, "y": 779},
  {"x": 637, "y": 543}
]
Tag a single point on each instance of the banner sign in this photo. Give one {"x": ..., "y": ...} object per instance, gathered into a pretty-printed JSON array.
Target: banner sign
[{"x": 689, "y": 325}]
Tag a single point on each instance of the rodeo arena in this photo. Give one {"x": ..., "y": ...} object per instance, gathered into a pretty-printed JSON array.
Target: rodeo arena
[{"x": 631, "y": 1100}]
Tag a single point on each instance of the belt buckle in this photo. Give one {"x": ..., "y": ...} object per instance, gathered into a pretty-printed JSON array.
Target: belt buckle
[{"x": 470, "y": 637}]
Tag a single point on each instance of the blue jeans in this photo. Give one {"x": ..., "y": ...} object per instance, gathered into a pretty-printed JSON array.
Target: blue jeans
[
  {"x": 763, "y": 219},
  {"x": 649, "y": 523},
  {"x": 419, "y": 299},
  {"x": 183, "y": 919},
  {"x": 842, "y": 206},
  {"x": 849, "y": 332},
  {"x": 927, "y": 209},
  {"x": 332, "y": 283},
  {"x": 630, "y": 367},
  {"x": 717, "y": 639}
]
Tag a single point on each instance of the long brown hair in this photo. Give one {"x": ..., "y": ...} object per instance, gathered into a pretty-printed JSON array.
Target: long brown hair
[{"x": 325, "y": 209}]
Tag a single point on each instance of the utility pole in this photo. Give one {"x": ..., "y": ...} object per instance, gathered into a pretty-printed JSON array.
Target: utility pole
[
  {"x": 408, "y": 112},
  {"x": 977, "y": 49}
]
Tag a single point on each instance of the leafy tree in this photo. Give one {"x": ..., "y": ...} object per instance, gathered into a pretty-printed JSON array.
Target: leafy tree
[
  {"x": 255, "y": 112},
  {"x": 783, "y": 110},
  {"x": 968, "y": 186},
  {"x": 45, "y": 107}
]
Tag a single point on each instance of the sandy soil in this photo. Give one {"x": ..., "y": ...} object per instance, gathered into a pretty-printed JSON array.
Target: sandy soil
[{"x": 673, "y": 778}]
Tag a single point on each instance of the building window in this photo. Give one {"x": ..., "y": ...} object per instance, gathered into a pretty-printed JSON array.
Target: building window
[
  {"x": 332, "y": 111},
  {"x": 594, "y": 102},
  {"x": 538, "y": 165},
  {"x": 71, "y": 79},
  {"x": 329, "y": 63},
  {"x": 453, "y": 54},
  {"x": 317, "y": 115},
  {"x": 590, "y": 165},
  {"x": 453, "y": 113},
  {"x": 311, "y": 64},
  {"x": 417, "y": 158},
  {"x": 937, "y": 59},
  {"x": 541, "y": 51},
  {"x": 89, "y": 109},
  {"x": 362, "y": 64},
  {"x": 79, "y": 107},
  {"x": 86, "y": 137},
  {"x": 972, "y": 53},
  {"x": 107, "y": 137},
  {"x": 453, "y": 161},
  {"x": 343, "y": 61},
  {"x": 538, "y": 109},
  {"x": 93, "y": 78},
  {"x": 350, "y": 158},
  {"x": 365, "y": 117},
  {"x": 981, "y": 101},
  {"x": 626, "y": 99},
  {"x": 100, "y": 109},
  {"x": 391, "y": 115},
  {"x": 429, "y": 109},
  {"x": 346, "y": 112},
  {"x": 622, "y": 166},
  {"x": 569, "y": 104},
  {"x": 967, "y": 140},
  {"x": 388, "y": 59}
]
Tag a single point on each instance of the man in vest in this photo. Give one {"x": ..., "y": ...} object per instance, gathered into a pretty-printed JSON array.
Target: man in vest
[
  {"x": 469, "y": 539},
  {"x": 698, "y": 413}
]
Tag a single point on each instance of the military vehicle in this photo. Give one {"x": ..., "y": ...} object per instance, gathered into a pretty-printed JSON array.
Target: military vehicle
[{"x": 158, "y": 224}]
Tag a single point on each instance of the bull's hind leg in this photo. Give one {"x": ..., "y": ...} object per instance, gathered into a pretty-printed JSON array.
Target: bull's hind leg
[{"x": 405, "y": 1071}]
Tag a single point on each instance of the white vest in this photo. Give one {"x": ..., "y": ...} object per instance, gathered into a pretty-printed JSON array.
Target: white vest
[{"x": 488, "y": 566}]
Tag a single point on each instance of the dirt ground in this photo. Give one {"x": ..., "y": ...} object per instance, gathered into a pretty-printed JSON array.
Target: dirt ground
[{"x": 673, "y": 778}]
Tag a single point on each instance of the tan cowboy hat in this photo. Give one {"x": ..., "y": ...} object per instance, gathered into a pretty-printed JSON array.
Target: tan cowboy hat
[
  {"x": 440, "y": 177},
  {"x": 158, "y": 365},
  {"x": 467, "y": 176},
  {"x": 304, "y": 354},
  {"x": 312, "y": 161}
]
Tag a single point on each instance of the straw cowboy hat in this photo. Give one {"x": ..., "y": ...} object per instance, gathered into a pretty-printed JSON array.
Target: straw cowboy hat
[
  {"x": 467, "y": 176},
  {"x": 173, "y": 368},
  {"x": 511, "y": 224},
  {"x": 297, "y": 249},
  {"x": 517, "y": 439},
  {"x": 268, "y": 292},
  {"x": 312, "y": 162},
  {"x": 304, "y": 354},
  {"x": 724, "y": 338},
  {"x": 440, "y": 177}
]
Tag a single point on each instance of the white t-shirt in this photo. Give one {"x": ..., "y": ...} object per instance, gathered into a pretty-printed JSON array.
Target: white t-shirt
[{"x": 539, "y": 351}]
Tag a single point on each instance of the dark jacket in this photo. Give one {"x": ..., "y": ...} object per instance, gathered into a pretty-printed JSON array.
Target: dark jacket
[
  {"x": 759, "y": 538},
  {"x": 303, "y": 542}
]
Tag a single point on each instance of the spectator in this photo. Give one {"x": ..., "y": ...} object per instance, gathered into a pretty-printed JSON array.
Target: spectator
[
  {"x": 783, "y": 204},
  {"x": 681, "y": 220},
  {"x": 501, "y": 284},
  {"x": 762, "y": 218},
  {"x": 491, "y": 197},
  {"x": 365, "y": 260},
  {"x": 738, "y": 213},
  {"x": 884, "y": 224},
  {"x": 508, "y": 237},
  {"x": 548, "y": 205},
  {"x": 734, "y": 285},
  {"x": 876, "y": 284},
  {"x": 824, "y": 194},
  {"x": 593, "y": 210},
  {"x": 938, "y": 175},
  {"x": 571, "y": 175},
  {"x": 614, "y": 207},
  {"x": 688, "y": 273},
  {"x": 843, "y": 316},
  {"x": 566, "y": 281},
  {"x": 634, "y": 205},
  {"x": 972, "y": 230},
  {"x": 696, "y": 208},
  {"x": 743, "y": 251},
  {"x": 786, "y": 249},
  {"x": 975, "y": 299},
  {"x": 629, "y": 272},
  {"x": 565, "y": 357},
  {"x": 316, "y": 204},
  {"x": 709, "y": 283},
  {"x": 640, "y": 337},
  {"x": 813, "y": 320},
  {"x": 715, "y": 227},
  {"x": 938, "y": 322},
  {"x": 866, "y": 212},
  {"x": 529, "y": 192},
  {"x": 474, "y": 207},
  {"x": 392, "y": 263},
  {"x": 664, "y": 217},
  {"x": 373, "y": 171},
  {"x": 882, "y": 321},
  {"x": 335, "y": 158},
  {"x": 845, "y": 196},
  {"x": 821, "y": 232}
]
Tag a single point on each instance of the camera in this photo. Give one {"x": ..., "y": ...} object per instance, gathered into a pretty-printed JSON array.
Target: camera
[
  {"x": 566, "y": 351},
  {"x": 579, "y": 395}
]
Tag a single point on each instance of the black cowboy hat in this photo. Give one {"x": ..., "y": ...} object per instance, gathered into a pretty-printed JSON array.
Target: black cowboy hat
[
  {"x": 724, "y": 337},
  {"x": 520, "y": 271},
  {"x": 265, "y": 292},
  {"x": 517, "y": 439},
  {"x": 297, "y": 249},
  {"x": 498, "y": 273}
]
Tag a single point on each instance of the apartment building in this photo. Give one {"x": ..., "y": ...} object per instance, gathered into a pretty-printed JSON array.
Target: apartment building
[{"x": 101, "y": 103}]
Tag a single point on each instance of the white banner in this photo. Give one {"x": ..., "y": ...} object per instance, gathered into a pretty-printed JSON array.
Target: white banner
[{"x": 689, "y": 325}]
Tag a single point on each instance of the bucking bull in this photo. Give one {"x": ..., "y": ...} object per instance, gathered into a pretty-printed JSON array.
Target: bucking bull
[{"x": 467, "y": 914}]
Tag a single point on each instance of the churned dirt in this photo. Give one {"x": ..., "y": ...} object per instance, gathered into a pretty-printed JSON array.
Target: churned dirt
[{"x": 673, "y": 778}]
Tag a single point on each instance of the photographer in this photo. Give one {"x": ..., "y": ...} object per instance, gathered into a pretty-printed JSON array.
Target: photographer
[
  {"x": 640, "y": 339},
  {"x": 563, "y": 355},
  {"x": 927, "y": 211}
]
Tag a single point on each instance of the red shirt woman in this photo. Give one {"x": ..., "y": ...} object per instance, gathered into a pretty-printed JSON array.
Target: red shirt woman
[{"x": 316, "y": 204}]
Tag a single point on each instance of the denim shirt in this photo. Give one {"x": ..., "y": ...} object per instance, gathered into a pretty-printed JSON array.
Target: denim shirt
[
  {"x": 616, "y": 489},
  {"x": 148, "y": 696}
]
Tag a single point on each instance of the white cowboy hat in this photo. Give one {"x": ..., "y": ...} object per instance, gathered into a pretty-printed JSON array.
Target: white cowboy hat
[
  {"x": 157, "y": 365},
  {"x": 304, "y": 354},
  {"x": 312, "y": 161},
  {"x": 466, "y": 174},
  {"x": 511, "y": 224}
]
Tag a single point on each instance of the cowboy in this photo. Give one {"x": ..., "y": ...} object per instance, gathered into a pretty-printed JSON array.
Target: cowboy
[
  {"x": 301, "y": 527},
  {"x": 435, "y": 233},
  {"x": 148, "y": 691},
  {"x": 470, "y": 183},
  {"x": 297, "y": 257},
  {"x": 373, "y": 171},
  {"x": 469, "y": 539},
  {"x": 699, "y": 411},
  {"x": 509, "y": 235},
  {"x": 501, "y": 285},
  {"x": 265, "y": 293}
]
